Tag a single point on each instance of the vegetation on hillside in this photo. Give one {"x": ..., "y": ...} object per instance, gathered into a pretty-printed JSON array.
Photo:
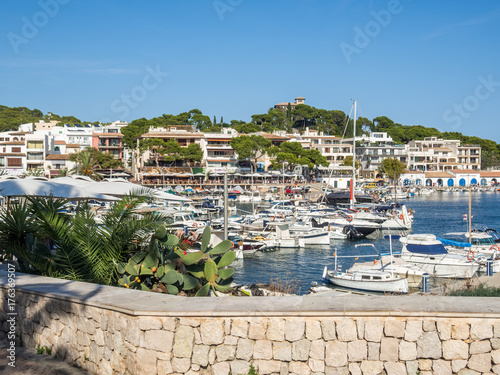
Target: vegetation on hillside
[{"x": 330, "y": 122}]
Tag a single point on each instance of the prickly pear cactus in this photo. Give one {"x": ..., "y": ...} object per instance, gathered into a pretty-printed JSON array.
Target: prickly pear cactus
[{"x": 166, "y": 267}]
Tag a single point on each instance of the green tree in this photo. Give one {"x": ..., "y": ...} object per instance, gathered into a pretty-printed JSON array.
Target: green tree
[
  {"x": 250, "y": 147},
  {"x": 86, "y": 164},
  {"x": 392, "y": 168},
  {"x": 193, "y": 153}
]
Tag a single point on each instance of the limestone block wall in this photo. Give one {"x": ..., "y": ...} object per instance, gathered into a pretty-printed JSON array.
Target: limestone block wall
[{"x": 288, "y": 336}]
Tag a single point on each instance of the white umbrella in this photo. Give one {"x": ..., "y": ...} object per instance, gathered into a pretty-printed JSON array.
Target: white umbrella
[{"x": 38, "y": 188}]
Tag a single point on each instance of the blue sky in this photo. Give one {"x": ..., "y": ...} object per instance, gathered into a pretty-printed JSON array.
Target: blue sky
[{"x": 418, "y": 62}]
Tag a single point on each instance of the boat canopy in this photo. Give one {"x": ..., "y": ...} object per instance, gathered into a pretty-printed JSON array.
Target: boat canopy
[
  {"x": 454, "y": 243},
  {"x": 430, "y": 249}
]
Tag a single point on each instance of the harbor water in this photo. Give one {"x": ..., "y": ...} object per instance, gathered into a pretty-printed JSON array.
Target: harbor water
[{"x": 438, "y": 213}]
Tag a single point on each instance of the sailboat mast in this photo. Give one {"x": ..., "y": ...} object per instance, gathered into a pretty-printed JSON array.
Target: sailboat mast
[
  {"x": 470, "y": 213},
  {"x": 353, "y": 179}
]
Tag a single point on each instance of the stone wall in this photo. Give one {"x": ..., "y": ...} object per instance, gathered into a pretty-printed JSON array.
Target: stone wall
[{"x": 299, "y": 335}]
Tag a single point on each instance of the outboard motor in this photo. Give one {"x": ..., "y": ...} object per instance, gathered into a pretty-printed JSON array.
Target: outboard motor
[{"x": 351, "y": 232}]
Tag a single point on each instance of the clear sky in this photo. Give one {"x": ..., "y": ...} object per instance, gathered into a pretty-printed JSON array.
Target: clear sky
[{"x": 431, "y": 63}]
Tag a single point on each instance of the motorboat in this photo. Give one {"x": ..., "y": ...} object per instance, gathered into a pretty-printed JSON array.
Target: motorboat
[
  {"x": 366, "y": 278},
  {"x": 429, "y": 255}
]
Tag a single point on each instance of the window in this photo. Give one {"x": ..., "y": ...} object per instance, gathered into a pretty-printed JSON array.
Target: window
[
  {"x": 16, "y": 149},
  {"x": 14, "y": 162},
  {"x": 35, "y": 144}
]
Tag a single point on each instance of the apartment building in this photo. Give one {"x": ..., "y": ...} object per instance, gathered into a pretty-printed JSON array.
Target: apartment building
[
  {"x": 218, "y": 153},
  {"x": 436, "y": 154}
]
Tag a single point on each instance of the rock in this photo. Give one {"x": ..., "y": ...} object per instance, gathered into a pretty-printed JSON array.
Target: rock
[
  {"x": 200, "y": 355},
  {"x": 495, "y": 356},
  {"x": 268, "y": 367},
  {"x": 441, "y": 367},
  {"x": 158, "y": 340},
  {"x": 336, "y": 354},
  {"x": 357, "y": 351},
  {"x": 429, "y": 325},
  {"x": 336, "y": 371},
  {"x": 317, "y": 365},
  {"x": 245, "y": 348},
  {"x": 276, "y": 329},
  {"x": 413, "y": 330},
  {"x": 394, "y": 328},
  {"x": 466, "y": 371},
  {"x": 346, "y": 330},
  {"x": 458, "y": 364},
  {"x": 147, "y": 362},
  {"x": 429, "y": 345},
  {"x": 317, "y": 350},
  {"x": 313, "y": 330},
  {"x": 407, "y": 351},
  {"x": 257, "y": 329},
  {"x": 395, "y": 368},
  {"x": 299, "y": 368},
  {"x": 183, "y": 342},
  {"x": 424, "y": 364},
  {"x": 389, "y": 349},
  {"x": 481, "y": 330},
  {"x": 373, "y": 351},
  {"x": 221, "y": 368},
  {"x": 282, "y": 351},
  {"x": 411, "y": 367},
  {"x": 300, "y": 350},
  {"x": 480, "y": 362},
  {"x": 212, "y": 332},
  {"x": 455, "y": 349},
  {"x": 239, "y": 367},
  {"x": 374, "y": 329},
  {"x": 444, "y": 329},
  {"x": 239, "y": 328},
  {"x": 495, "y": 343},
  {"x": 225, "y": 353},
  {"x": 181, "y": 365},
  {"x": 147, "y": 323},
  {"x": 294, "y": 329},
  {"x": 478, "y": 347},
  {"x": 354, "y": 369},
  {"x": 328, "y": 329},
  {"x": 263, "y": 349},
  {"x": 372, "y": 367},
  {"x": 460, "y": 331}
]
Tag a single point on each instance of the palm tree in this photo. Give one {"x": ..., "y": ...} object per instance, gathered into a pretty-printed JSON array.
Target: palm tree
[
  {"x": 86, "y": 164},
  {"x": 80, "y": 249}
]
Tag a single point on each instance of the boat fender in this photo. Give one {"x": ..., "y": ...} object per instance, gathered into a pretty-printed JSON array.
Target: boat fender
[
  {"x": 258, "y": 238},
  {"x": 232, "y": 244},
  {"x": 349, "y": 218},
  {"x": 470, "y": 256},
  {"x": 195, "y": 225},
  {"x": 401, "y": 217}
]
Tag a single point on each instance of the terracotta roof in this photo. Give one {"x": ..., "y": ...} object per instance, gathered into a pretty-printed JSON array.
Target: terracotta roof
[
  {"x": 73, "y": 145},
  {"x": 465, "y": 171},
  {"x": 12, "y": 143},
  {"x": 274, "y": 136},
  {"x": 438, "y": 174},
  {"x": 59, "y": 142},
  {"x": 19, "y": 133},
  {"x": 489, "y": 173},
  {"x": 300, "y": 97},
  {"x": 172, "y": 135},
  {"x": 57, "y": 157}
]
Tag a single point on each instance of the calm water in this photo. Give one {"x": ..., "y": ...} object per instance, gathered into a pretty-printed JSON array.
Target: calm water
[{"x": 438, "y": 214}]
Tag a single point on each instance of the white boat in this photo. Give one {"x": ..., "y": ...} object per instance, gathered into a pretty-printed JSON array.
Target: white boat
[
  {"x": 369, "y": 280},
  {"x": 430, "y": 255},
  {"x": 277, "y": 235}
]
